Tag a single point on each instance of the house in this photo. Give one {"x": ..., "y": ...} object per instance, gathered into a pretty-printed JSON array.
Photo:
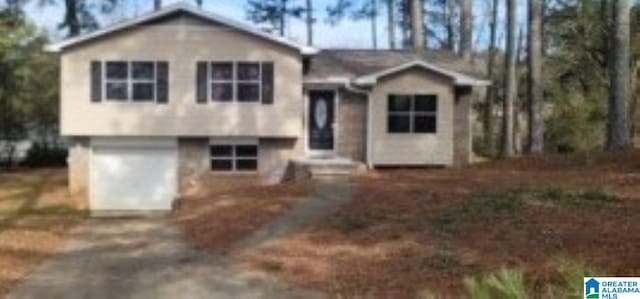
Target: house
[{"x": 179, "y": 96}]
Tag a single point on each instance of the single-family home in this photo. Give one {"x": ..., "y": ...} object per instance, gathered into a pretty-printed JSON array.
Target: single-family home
[{"x": 180, "y": 96}]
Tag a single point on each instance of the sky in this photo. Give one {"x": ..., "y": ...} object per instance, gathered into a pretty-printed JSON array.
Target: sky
[{"x": 347, "y": 34}]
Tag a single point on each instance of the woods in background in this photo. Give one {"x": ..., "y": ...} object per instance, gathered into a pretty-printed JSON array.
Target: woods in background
[{"x": 572, "y": 86}]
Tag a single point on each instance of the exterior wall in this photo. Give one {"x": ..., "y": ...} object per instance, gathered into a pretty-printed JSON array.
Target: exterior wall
[
  {"x": 413, "y": 149},
  {"x": 78, "y": 164},
  {"x": 352, "y": 126},
  {"x": 182, "y": 41},
  {"x": 194, "y": 174},
  {"x": 462, "y": 131}
]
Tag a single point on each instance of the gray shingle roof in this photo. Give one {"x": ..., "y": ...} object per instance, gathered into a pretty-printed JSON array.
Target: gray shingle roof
[{"x": 355, "y": 63}]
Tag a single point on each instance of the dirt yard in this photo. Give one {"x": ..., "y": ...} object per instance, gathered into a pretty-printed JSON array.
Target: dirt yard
[
  {"x": 407, "y": 231},
  {"x": 216, "y": 220},
  {"x": 35, "y": 214}
]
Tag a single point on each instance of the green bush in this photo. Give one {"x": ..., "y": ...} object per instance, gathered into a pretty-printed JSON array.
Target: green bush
[
  {"x": 506, "y": 283},
  {"x": 43, "y": 156}
]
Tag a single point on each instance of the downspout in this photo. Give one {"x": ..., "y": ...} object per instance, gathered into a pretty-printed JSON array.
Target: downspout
[{"x": 348, "y": 86}]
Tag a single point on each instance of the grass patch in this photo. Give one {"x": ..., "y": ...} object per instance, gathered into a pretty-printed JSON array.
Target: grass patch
[
  {"x": 505, "y": 283},
  {"x": 505, "y": 203},
  {"x": 512, "y": 283},
  {"x": 52, "y": 210}
]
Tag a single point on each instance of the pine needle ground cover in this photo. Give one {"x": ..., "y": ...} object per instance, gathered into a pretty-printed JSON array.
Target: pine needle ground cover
[
  {"x": 36, "y": 214},
  {"x": 407, "y": 231}
]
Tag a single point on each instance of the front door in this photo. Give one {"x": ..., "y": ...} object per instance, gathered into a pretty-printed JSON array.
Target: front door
[{"x": 321, "y": 120}]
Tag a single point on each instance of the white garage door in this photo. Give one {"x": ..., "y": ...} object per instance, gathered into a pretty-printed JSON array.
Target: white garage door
[{"x": 131, "y": 176}]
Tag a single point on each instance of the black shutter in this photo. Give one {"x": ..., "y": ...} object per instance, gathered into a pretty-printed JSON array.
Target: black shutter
[
  {"x": 96, "y": 81},
  {"x": 267, "y": 83},
  {"x": 201, "y": 82},
  {"x": 162, "y": 82}
]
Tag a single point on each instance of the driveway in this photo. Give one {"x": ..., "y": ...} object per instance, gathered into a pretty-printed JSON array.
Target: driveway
[{"x": 143, "y": 258}]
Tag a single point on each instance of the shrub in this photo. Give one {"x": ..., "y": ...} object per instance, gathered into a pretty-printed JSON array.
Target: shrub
[
  {"x": 506, "y": 283},
  {"x": 43, "y": 156}
]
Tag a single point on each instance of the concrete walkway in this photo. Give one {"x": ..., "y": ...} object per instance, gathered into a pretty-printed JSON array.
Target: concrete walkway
[
  {"x": 328, "y": 195},
  {"x": 147, "y": 258}
]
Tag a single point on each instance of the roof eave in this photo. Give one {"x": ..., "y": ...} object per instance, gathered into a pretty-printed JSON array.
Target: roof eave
[
  {"x": 61, "y": 45},
  {"x": 459, "y": 79}
]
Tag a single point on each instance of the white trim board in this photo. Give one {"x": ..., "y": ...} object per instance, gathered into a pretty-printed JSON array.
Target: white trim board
[
  {"x": 458, "y": 78},
  {"x": 180, "y": 7}
]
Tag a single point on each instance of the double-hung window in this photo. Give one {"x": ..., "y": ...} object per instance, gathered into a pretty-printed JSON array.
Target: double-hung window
[
  {"x": 131, "y": 81},
  {"x": 222, "y": 83},
  {"x": 237, "y": 81},
  {"x": 412, "y": 114},
  {"x": 234, "y": 157},
  {"x": 249, "y": 82}
]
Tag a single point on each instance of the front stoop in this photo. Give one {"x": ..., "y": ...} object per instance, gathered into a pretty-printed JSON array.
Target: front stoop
[{"x": 321, "y": 167}]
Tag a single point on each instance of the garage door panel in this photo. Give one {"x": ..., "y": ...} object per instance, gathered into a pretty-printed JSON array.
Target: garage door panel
[{"x": 130, "y": 178}]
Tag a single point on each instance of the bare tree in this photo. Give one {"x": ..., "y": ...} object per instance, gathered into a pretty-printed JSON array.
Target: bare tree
[
  {"x": 374, "y": 23},
  {"x": 619, "y": 76},
  {"x": 534, "y": 88},
  {"x": 466, "y": 30},
  {"x": 157, "y": 4},
  {"x": 309, "y": 11},
  {"x": 509, "y": 82},
  {"x": 487, "y": 123},
  {"x": 417, "y": 34},
  {"x": 391, "y": 24},
  {"x": 517, "y": 104}
]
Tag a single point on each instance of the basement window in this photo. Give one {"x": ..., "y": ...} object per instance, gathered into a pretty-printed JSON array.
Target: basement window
[{"x": 234, "y": 157}]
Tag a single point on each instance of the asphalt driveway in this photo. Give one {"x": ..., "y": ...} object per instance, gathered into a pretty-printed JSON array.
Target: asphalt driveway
[{"x": 143, "y": 258}]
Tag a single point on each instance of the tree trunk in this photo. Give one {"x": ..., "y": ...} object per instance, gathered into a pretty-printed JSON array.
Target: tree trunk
[
  {"x": 391, "y": 22},
  {"x": 309, "y": 23},
  {"x": 448, "y": 9},
  {"x": 417, "y": 35},
  {"x": 489, "y": 142},
  {"x": 517, "y": 104},
  {"x": 535, "y": 90},
  {"x": 466, "y": 30},
  {"x": 619, "y": 76},
  {"x": 509, "y": 82},
  {"x": 283, "y": 13},
  {"x": 71, "y": 17},
  {"x": 157, "y": 4},
  {"x": 374, "y": 23}
]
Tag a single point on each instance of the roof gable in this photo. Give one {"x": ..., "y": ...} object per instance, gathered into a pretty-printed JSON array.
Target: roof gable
[
  {"x": 458, "y": 78},
  {"x": 173, "y": 9}
]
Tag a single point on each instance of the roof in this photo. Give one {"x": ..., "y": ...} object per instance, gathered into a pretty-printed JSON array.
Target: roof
[
  {"x": 365, "y": 67},
  {"x": 177, "y": 8}
]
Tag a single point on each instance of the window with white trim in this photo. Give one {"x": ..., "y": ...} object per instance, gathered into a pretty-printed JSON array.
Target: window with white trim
[
  {"x": 234, "y": 157},
  {"x": 412, "y": 114},
  {"x": 235, "y": 81},
  {"x": 130, "y": 81}
]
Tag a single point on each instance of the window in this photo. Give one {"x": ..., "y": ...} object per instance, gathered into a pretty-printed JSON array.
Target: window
[
  {"x": 222, "y": 81},
  {"x": 239, "y": 157},
  {"x": 117, "y": 87},
  {"x": 131, "y": 81},
  {"x": 240, "y": 81},
  {"x": 412, "y": 114},
  {"x": 143, "y": 83},
  {"x": 248, "y": 82}
]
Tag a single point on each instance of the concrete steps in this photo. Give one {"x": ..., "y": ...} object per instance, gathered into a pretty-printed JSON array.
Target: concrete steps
[{"x": 318, "y": 167}]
